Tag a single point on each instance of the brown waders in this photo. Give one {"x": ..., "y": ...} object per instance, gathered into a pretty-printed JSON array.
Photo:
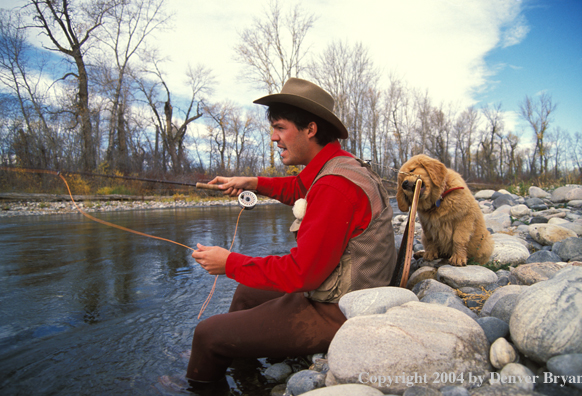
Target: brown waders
[{"x": 261, "y": 324}]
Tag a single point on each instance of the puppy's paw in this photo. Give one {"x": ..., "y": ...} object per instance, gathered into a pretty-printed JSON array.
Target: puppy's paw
[
  {"x": 457, "y": 260},
  {"x": 430, "y": 255}
]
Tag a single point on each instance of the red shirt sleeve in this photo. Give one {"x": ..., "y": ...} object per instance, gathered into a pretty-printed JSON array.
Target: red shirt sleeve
[
  {"x": 284, "y": 189},
  {"x": 337, "y": 210}
]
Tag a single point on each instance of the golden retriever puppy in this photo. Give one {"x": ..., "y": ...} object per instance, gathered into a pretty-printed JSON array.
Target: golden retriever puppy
[{"x": 452, "y": 222}]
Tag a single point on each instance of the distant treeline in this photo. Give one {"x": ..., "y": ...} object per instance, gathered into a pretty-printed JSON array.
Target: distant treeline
[{"x": 96, "y": 99}]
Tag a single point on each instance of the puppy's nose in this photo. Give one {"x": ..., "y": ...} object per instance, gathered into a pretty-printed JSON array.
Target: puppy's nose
[{"x": 405, "y": 184}]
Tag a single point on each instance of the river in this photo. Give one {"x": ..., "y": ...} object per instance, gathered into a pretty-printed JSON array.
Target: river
[{"x": 87, "y": 309}]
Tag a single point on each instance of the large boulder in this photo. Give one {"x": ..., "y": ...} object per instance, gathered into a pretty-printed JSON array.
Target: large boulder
[
  {"x": 528, "y": 274},
  {"x": 547, "y": 320},
  {"x": 571, "y": 249},
  {"x": 536, "y": 192},
  {"x": 559, "y": 194},
  {"x": 374, "y": 301},
  {"x": 411, "y": 338}
]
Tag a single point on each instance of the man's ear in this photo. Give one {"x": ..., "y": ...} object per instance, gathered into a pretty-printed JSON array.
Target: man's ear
[{"x": 311, "y": 129}]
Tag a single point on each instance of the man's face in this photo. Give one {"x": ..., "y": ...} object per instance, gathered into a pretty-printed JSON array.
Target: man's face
[{"x": 294, "y": 143}]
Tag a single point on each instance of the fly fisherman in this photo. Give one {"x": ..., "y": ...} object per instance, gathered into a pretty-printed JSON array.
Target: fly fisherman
[{"x": 288, "y": 306}]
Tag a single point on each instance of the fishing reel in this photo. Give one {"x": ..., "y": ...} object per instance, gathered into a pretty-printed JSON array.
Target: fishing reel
[{"x": 247, "y": 200}]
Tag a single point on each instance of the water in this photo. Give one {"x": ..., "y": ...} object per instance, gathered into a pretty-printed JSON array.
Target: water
[{"x": 87, "y": 309}]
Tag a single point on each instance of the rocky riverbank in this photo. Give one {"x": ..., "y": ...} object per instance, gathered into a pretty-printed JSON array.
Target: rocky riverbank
[
  {"x": 35, "y": 207},
  {"x": 514, "y": 328}
]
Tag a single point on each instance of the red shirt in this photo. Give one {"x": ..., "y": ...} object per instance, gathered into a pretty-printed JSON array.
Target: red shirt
[{"x": 337, "y": 210}]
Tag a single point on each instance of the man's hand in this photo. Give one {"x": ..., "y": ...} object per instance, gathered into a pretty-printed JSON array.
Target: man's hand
[
  {"x": 233, "y": 186},
  {"x": 211, "y": 258}
]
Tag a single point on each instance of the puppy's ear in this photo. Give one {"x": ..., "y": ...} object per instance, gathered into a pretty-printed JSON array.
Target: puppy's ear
[
  {"x": 436, "y": 170},
  {"x": 403, "y": 203}
]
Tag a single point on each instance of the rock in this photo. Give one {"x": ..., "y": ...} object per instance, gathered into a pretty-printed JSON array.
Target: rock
[
  {"x": 574, "y": 194},
  {"x": 345, "y": 390},
  {"x": 547, "y": 320},
  {"x": 577, "y": 203},
  {"x": 558, "y": 221},
  {"x": 538, "y": 220},
  {"x": 493, "y": 327},
  {"x": 421, "y": 274},
  {"x": 535, "y": 204},
  {"x": 411, "y": 338},
  {"x": 278, "y": 390},
  {"x": 304, "y": 381},
  {"x": 520, "y": 211},
  {"x": 528, "y": 274},
  {"x": 559, "y": 194},
  {"x": 454, "y": 391},
  {"x": 498, "y": 294},
  {"x": 570, "y": 249},
  {"x": 505, "y": 307},
  {"x": 503, "y": 199},
  {"x": 484, "y": 194},
  {"x": 517, "y": 374},
  {"x": 536, "y": 192},
  {"x": 543, "y": 256},
  {"x": 576, "y": 227},
  {"x": 502, "y": 353},
  {"x": 499, "y": 220},
  {"x": 470, "y": 275},
  {"x": 548, "y": 234},
  {"x": 504, "y": 390},
  {"x": 374, "y": 301},
  {"x": 567, "y": 365},
  {"x": 421, "y": 391},
  {"x": 428, "y": 286},
  {"x": 508, "y": 250},
  {"x": 278, "y": 372},
  {"x": 448, "y": 300}
]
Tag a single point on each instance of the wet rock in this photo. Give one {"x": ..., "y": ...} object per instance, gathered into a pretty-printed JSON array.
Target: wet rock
[
  {"x": 278, "y": 372},
  {"x": 414, "y": 338},
  {"x": 304, "y": 381},
  {"x": 548, "y": 234},
  {"x": 528, "y": 274},
  {"x": 470, "y": 275},
  {"x": 508, "y": 250},
  {"x": 502, "y": 353},
  {"x": 493, "y": 327},
  {"x": 374, "y": 301},
  {"x": 547, "y": 320}
]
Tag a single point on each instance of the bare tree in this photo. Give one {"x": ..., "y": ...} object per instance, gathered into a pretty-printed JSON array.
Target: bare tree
[
  {"x": 349, "y": 75},
  {"x": 538, "y": 116},
  {"x": 127, "y": 28},
  {"x": 465, "y": 129},
  {"x": 492, "y": 134},
  {"x": 69, "y": 26},
  {"x": 171, "y": 130},
  {"x": 272, "y": 50}
]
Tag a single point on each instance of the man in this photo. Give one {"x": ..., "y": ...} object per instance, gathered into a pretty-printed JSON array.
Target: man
[{"x": 287, "y": 306}]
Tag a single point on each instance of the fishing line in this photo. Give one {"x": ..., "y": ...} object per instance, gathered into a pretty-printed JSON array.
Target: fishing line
[{"x": 248, "y": 201}]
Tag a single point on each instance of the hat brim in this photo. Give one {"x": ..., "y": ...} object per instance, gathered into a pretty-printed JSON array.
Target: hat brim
[{"x": 308, "y": 105}]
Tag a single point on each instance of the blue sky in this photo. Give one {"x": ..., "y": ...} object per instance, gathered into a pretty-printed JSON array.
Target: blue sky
[
  {"x": 548, "y": 59},
  {"x": 463, "y": 52}
]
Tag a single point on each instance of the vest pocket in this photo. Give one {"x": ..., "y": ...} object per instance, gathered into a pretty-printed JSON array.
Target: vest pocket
[{"x": 337, "y": 283}]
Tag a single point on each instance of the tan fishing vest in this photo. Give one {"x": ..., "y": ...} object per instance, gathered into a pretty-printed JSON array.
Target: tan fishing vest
[{"x": 369, "y": 258}]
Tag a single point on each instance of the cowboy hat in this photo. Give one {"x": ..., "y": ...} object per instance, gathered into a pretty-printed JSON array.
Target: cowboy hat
[{"x": 309, "y": 97}]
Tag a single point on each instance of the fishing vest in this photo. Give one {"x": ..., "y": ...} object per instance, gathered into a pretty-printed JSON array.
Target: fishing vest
[{"x": 369, "y": 258}]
